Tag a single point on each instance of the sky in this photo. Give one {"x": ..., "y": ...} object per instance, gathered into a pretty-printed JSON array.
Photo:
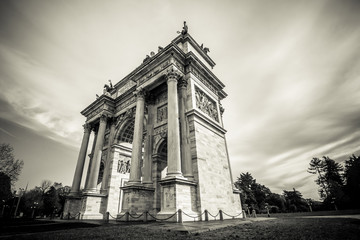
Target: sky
[{"x": 291, "y": 71}]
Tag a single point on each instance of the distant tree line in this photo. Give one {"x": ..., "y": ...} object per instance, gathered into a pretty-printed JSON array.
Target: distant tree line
[
  {"x": 47, "y": 199},
  {"x": 339, "y": 185},
  {"x": 339, "y": 188},
  {"x": 258, "y": 197}
]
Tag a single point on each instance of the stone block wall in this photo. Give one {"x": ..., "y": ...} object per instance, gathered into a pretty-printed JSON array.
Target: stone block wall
[
  {"x": 212, "y": 170},
  {"x": 116, "y": 180}
]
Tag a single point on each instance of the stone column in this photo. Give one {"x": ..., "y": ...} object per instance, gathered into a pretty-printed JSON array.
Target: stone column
[
  {"x": 135, "y": 171},
  {"x": 81, "y": 160},
  {"x": 90, "y": 158},
  {"x": 104, "y": 184},
  {"x": 96, "y": 158},
  {"x": 184, "y": 129},
  {"x": 147, "y": 166},
  {"x": 173, "y": 140}
]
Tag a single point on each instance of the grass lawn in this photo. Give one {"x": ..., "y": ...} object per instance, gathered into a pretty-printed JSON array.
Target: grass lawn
[{"x": 289, "y": 226}]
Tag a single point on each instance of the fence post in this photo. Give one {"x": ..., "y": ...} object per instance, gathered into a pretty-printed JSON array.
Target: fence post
[
  {"x": 254, "y": 213},
  {"x": 107, "y": 214},
  {"x": 206, "y": 215},
  {"x": 68, "y": 216},
  {"x": 127, "y": 216},
  {"x": 221, "y": 215},
  {"x": 79, "y": 216},
  {"x": 145, "y": 216},
  {"x": 180, "y": 216},
  {"x": 244, "y": 213}
]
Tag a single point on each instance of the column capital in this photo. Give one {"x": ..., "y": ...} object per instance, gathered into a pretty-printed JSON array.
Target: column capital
[
  {"x": 182, "y": 83},
  {"x": 103, "y": 118},
  {"x": 87, "y": 127},
  {"x": 172, "y": 75},
  {"x": 140, "y": 93}
]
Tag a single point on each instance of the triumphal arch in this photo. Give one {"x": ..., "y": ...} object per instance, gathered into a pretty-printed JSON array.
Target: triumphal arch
[{"x": 158, "y": 141}]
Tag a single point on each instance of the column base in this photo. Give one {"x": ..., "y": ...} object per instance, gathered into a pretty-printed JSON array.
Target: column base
[
  {"x": 91, "y": 206},
  {"x": 178, "y": 193},
  {"x": 72, "y": 206},
  {"x": 137, "y": 200}
]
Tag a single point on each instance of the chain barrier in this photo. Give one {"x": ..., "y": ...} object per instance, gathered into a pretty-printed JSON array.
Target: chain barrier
[
  {"x": 231, "y": 215},
  {"x": 69, "y": 216},
  {"x": 198, "y": 216},
  {"x": 135, "y": 215},
  {"x": 213, "y": 215},
  {"x": 113, "y": 216},
  {"x": 162, "y": 219}
]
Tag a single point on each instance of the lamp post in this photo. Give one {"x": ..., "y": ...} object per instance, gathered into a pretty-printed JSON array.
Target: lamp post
[
  {"x": 34, "y": 209},
  {"x": 2, "y": 211},
  {"x": 18, "y": 202}
]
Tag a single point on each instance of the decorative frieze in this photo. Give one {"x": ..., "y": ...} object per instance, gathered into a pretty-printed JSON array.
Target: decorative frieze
[
  {"x": 125, "y": 88},
  {"x": 203, "y": 80},
  {"x": 126, "y": 103},
  {"x": 206, "y": 104},
  {"x": 154, "y": 72}
]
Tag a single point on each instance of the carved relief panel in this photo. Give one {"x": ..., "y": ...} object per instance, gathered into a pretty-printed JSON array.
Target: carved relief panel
[
  {"x": 161, "y": 113},
  {"x": 206, "y": 104}
]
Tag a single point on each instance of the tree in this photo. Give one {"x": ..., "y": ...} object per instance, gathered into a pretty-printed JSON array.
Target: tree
[
  {"x": 51, "y": 201},
  {"x": 8, "y": 164},
  {"x": 294, "y": 201},
  {"x": 352, "y": 180},
  {"x": 329, "y": 179},
  {"x": 5, "y": 187},
  {"x": 244, "y": 184}
]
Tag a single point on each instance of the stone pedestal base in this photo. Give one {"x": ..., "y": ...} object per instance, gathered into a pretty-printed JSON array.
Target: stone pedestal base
[
  {"x": 72, "y": 206},
  {"x": 137, "y": 199},
  {"x": 91, "y": 206},
  {"x": 178, "y": 193}
]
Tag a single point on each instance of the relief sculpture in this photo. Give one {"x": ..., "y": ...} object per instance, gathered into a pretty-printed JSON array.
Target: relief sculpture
[
  {"x": 206, "y": 104},
  {"x": 162, "y": 113},
  {"x": 123, "y": 166}
]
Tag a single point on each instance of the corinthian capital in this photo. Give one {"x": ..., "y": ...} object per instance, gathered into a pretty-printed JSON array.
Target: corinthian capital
[
  {"x": 183, "y": 83},
  {"x": 87, "y": 127},
  {"x": 140, "y": 93},
  {"x": 172, "y": 75}
]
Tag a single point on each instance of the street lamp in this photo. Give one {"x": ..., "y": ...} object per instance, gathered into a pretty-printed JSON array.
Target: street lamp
[{"x": 34, "y": 208}]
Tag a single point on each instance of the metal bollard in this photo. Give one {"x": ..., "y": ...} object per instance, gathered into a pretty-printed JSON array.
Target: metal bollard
[
  {"x": 244, "y": 213},
  {"x": 127, "y": 216},
  {"x": 206, "y": 215},
  {"x": 145, "y": 216},
  {"x": 221, "y": 215},
  {"x": 68, "y": 216},
  {"x": 180, "y": 216}
]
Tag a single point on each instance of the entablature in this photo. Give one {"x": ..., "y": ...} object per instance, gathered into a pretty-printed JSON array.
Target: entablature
[{"x": 104, "y": 105}]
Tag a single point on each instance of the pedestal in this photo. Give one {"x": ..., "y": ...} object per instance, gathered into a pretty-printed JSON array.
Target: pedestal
[
  {"x": 91, "y": 206},
  {"x": 72, "y": 206},
  {"x": 178, "y": 193},
  {"x": 136, "y": 201}
]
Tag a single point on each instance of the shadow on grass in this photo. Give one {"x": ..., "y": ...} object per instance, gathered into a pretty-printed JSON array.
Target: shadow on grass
[{"x": 21, "y": 226}]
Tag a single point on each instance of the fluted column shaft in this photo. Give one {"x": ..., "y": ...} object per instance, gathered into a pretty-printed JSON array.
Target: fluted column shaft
[
  {"x": 75, "y": 188},
  {"x": 173, "y": 138},
  {"x": 185, "y": 145},
  {"x": 95, "y": 163},
  {"x": 135, "y": 171}
]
